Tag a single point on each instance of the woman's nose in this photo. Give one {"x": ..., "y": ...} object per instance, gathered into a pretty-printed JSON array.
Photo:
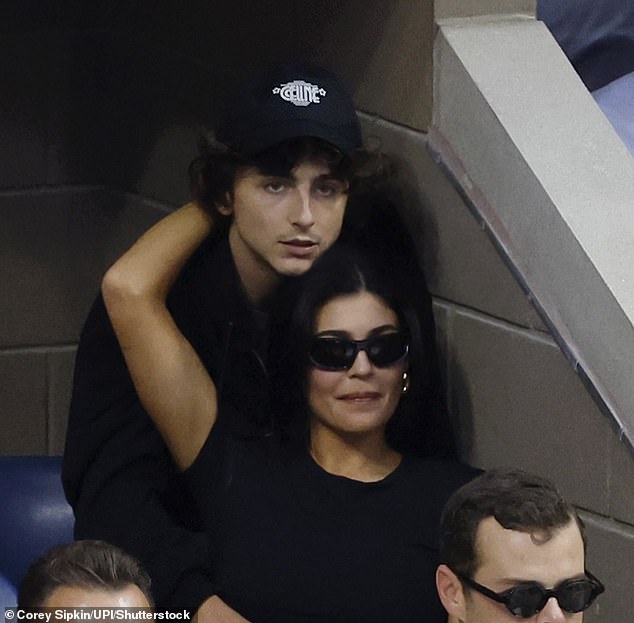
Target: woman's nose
[{"x": 361, "y": 364}]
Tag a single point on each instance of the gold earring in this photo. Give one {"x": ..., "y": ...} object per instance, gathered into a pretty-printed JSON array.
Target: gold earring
[{"x": 405, "y": 386}]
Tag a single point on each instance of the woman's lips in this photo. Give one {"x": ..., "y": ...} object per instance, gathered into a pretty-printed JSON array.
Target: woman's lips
[{"x": 360, "y": 397}]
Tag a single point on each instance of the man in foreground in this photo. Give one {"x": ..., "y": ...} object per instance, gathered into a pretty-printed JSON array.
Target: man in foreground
[
  {"x": 512, "y": 548},
  {"x": 85, "y": 574}
]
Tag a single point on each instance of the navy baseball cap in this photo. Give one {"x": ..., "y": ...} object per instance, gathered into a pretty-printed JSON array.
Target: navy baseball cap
[{"x": 289, "y": 101}]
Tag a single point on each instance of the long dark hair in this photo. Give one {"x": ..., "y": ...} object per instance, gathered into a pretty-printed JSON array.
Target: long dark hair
[{"x": 377, "y": 257}]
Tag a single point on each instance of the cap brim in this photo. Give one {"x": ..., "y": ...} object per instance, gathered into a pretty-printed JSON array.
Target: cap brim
[{"x": 346, "y": 139}]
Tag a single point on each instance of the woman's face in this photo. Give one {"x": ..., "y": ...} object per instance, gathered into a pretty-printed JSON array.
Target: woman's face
[{"x": 363, "y": 398}]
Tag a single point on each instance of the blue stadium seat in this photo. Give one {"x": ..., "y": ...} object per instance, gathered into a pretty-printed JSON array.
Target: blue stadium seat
[
  {"x": 8, "y": 594},
  {"x": 34, "y": 515}
]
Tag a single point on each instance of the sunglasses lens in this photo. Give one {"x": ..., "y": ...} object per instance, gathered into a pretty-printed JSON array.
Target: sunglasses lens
[
  {"x": 573, "y": 596},
  {"x": 384, "y": 350},
  {"x": 577, "y": 595},
  {"x": 332, "y": 353},
  {"x": 525, "y": 600}
]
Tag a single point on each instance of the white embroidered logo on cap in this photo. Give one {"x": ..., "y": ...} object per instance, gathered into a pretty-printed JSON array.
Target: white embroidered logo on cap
[{"x": 300, "y": 93}]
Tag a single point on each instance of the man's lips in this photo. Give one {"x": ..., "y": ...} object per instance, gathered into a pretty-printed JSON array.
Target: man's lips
[{"x": 300, "y": 246}]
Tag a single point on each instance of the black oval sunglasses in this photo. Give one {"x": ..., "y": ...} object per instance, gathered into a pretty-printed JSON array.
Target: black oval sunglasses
[
  {"x": 337, "y": 353},
  {"x": 528, "y": 598}
]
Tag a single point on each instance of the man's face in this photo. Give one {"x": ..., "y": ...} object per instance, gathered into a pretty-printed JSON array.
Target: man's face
[
  {"x": 281, "y": 225},
  {"x": 509, "y": 557},
  {"x": 130, "y": 596}
]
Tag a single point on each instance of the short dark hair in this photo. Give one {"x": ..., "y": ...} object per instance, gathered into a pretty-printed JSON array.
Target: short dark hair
[
  {"x": 516, "y": 499},
  {"x": 212, "y": 174},
  {"x": 377, "y": 257},
  {"x": 83, "y": 564}
]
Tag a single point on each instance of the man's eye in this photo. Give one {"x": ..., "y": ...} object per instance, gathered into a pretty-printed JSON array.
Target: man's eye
[
  {"x": 275, "y": 186},
  {"x": 328, "y": 190}
]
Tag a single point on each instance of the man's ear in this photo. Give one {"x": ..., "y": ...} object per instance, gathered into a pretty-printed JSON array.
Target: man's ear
[
  {"x": 451, "y": 593},
  {"x": 226, "y": 207}
]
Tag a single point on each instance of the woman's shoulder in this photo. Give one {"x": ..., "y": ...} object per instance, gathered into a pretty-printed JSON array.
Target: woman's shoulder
[
  {"x": 421, "y": 490},
  {"x": 443, "y": 476}
]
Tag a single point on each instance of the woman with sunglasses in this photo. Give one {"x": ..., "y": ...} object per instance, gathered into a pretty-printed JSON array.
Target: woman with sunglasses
[{"x": 334, "y": 518}]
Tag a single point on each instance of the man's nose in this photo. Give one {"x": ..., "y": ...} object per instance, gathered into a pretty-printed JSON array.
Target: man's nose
[
  {"x": 551, "y": 613},
  {"x": 302, "y": 210}
]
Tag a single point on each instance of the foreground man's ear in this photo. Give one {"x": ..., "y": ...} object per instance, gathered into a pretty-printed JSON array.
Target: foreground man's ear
[{"x": 450, "y": 592}]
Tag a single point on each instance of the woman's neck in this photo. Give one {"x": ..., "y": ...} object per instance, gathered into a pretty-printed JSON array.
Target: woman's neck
[{"x": 367, "y": 458}]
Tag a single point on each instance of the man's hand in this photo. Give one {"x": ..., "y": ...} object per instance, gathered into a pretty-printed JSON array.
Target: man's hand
[{"x": 214, "y": 610}]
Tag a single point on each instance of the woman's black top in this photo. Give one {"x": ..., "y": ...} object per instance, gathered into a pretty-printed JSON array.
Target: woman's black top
[{"x": 291, "y": 542}]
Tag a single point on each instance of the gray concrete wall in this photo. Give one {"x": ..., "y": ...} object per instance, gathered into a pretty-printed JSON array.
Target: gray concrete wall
[
  {"x": 55, "y": 243},
  {"x": 552, "y": 188},
  {"x": 101, "y": 121},
  {"x": 63, "y": 221},
  {"x": 471, "y": 8}
]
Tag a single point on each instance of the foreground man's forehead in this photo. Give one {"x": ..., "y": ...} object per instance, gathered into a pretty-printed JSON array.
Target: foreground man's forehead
[
  {"x": 508, "y": 556},
  {"x": 130, "y": 596}
]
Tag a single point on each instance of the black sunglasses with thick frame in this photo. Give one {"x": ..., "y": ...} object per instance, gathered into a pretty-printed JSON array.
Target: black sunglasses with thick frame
[
  {"x": 334, "y": 353},
  {"x": 528, "y": 598}
]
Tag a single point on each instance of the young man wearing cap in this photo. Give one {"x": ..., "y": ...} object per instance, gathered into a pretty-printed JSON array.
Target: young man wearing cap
[
  {"x": 513, "y": 549},
  {"x": 276, "y": 189}
]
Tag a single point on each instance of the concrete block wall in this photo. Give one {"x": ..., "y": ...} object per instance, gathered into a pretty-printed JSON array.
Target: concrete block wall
[
  {"x": 61, "y": 226},
  {"x": 549, "y": 183},
  {"x": 55, "y": 245}
]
